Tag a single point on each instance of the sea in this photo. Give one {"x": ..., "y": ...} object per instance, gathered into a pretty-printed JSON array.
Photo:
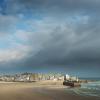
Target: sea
[{"x": 89, "y": 89}]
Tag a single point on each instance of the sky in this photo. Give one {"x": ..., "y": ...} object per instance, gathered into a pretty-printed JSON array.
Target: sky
[{"x": 50, "y": 36}]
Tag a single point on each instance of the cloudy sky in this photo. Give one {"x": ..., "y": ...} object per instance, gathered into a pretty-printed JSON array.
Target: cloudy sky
[{"x": 50, "y": 36}]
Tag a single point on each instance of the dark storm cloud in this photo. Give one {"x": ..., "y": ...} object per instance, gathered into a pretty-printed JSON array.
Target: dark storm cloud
[
  {"x": 69, "y": 43},
  {"x": 62, "y": 49},
  {"x": 66, "y": 54},
  {"x": 52, "y": 6}
]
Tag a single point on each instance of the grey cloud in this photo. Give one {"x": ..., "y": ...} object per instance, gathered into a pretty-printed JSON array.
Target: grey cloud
[
  {"x": 8, "y": 24},
  {"x": 62, "y": 44},
  {"x": 52, "y": 6},
  {"x": 62, "y": 49},
  {"x": 76, "y": 46}
]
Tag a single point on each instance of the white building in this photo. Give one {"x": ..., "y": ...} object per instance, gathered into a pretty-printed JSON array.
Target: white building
[{"x": 66, "y": 77}]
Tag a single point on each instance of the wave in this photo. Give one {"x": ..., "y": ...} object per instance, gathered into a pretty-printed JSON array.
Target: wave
[{"x": 89, "y": 89}]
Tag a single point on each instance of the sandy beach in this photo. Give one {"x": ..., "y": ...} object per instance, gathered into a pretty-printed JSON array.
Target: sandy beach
[{"x": 37, "y": 91}]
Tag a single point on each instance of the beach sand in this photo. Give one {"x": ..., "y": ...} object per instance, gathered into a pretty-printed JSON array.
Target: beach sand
[{"x": 38, "y": 91}]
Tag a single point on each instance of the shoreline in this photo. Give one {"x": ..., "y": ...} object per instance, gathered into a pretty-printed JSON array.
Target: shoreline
[{"x": 38, "y": 91}]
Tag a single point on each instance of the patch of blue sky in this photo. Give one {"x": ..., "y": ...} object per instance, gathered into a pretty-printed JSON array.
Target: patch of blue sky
[
  {"x": 30, "y": 14},
  {"x": 2, "y": 6},
  {"x": 11, "y": 42},
  {"x": 18, "y": 40},
  {"x": 24, "y": 25},
  {"x": 2, "y": 3},
  {"x": 4, "y": 44},
  {"x": 38, "y": 16}
]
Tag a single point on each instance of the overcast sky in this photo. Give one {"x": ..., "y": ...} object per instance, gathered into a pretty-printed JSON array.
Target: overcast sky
[{"x": 50, "y": 35}]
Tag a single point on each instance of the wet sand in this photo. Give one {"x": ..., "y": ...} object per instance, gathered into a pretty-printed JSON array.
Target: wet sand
[{"x": 36, "y": 91}]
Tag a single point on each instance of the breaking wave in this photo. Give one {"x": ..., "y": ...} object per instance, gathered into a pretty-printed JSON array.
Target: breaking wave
[{"x": 89, "y": 89}]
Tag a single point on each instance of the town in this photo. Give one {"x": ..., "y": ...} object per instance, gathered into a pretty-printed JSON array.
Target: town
[{"x": 33, "y": 77}]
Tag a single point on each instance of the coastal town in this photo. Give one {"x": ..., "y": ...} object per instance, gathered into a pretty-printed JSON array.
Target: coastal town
[{"x": 32, "y": 77}]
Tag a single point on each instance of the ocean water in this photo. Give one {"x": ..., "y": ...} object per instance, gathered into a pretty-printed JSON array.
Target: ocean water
[{"x": 89, "y": 89}]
